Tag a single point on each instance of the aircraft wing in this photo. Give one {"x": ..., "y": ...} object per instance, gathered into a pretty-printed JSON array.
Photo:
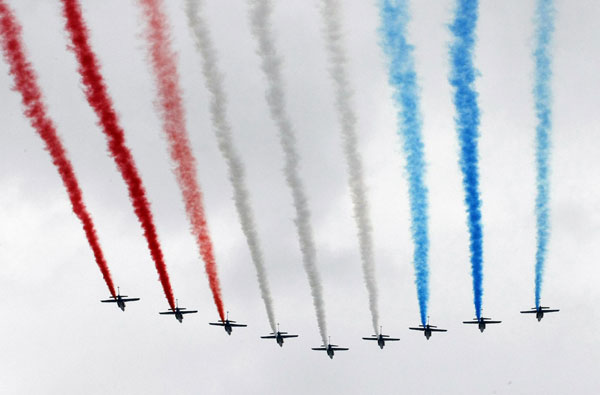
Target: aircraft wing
[
  {"x": 216, "y": 323},
  {"x": 167, "y": 312},
  {"x": 493, "y": 322},
  {"x": 551, "y": 310},
  {"x": 269, "y": 337},
  {"x": 417, "y": 329},
  {"x": 339, "y": 349},
  {"x": 130, "y": 299},
  {"x": 188, "y": 311},
  {"x": 474, "y": 322},
  {"x": 391, "y": 339},
  {"x": 109, "y": 301},
  {"x": 286, "y": 336},
  {"x": 438, "y": 330},
  {"x": 319, "y": 348},
  {"x": 240, "y": 325},
  {"x": 529, "y": 312},
  {"x": 370, "y": 338}
]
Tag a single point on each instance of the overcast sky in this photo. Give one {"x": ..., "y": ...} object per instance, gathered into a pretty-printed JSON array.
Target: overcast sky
[{"x": 56, "y": 337}]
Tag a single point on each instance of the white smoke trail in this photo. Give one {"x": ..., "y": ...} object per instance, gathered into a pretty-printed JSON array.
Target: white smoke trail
[
  {"x": 330, "y": 10},
  {"x": 260, "y": 13},
  {"x": 218, "y": 110}
]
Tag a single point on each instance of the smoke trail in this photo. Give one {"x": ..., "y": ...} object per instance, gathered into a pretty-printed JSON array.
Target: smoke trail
[
  {"x": 330, "y": 10},
  {"x": 98, "y": 98},
  {"x": 260, "y": 15},
  {"x": 462, "y": 78},
  {"x": 394, "y": 15},
  {"x": 26, "y": 84},
  {"x": 173, "y": 116},
  {"x": 218, "y": 109},
  {"x": 543, "y": 96}
]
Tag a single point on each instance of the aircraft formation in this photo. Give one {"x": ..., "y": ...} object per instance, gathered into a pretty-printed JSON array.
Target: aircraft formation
[
  {"x": 169, "y": 103},
  {"x": 329, "y": 348}
]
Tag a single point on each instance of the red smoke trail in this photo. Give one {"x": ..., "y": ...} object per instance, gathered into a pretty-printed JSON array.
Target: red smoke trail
[
  {"x": 98, "y": 98},
  {"x": 26, "y": 84},
  {"x": 165, "y": 70}
]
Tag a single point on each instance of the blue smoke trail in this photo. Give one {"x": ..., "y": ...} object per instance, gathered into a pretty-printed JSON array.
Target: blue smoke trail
[
  {"x": 542, "y": 95},
  {"x": 403, "y": 78},
  {"x": 462, "y": 78}
]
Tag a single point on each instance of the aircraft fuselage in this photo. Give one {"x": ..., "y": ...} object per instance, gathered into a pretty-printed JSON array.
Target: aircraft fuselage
[
  {"x": 279, "y": 340},
  {"x": 481, "y": 325},
  {"x": 120, "y": 303},
  {"x": 330, "y": 352},
  {"x": 539, "y": 314}
]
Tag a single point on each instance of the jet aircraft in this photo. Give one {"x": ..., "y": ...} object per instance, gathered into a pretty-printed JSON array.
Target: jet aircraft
[
  {"x": 228, "y": 324},
  {"x": 178, "y": 311},
  {"x": 278, "y": 336},
  {"x": 482, "y": 322},
  {"x": 381, "y": 338},
  {"x": 330, "y": 348},
  {"x": 539, "y": 311},
  {"x": 428, "y": 329},
  {"x": 120, "y": 300}
]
